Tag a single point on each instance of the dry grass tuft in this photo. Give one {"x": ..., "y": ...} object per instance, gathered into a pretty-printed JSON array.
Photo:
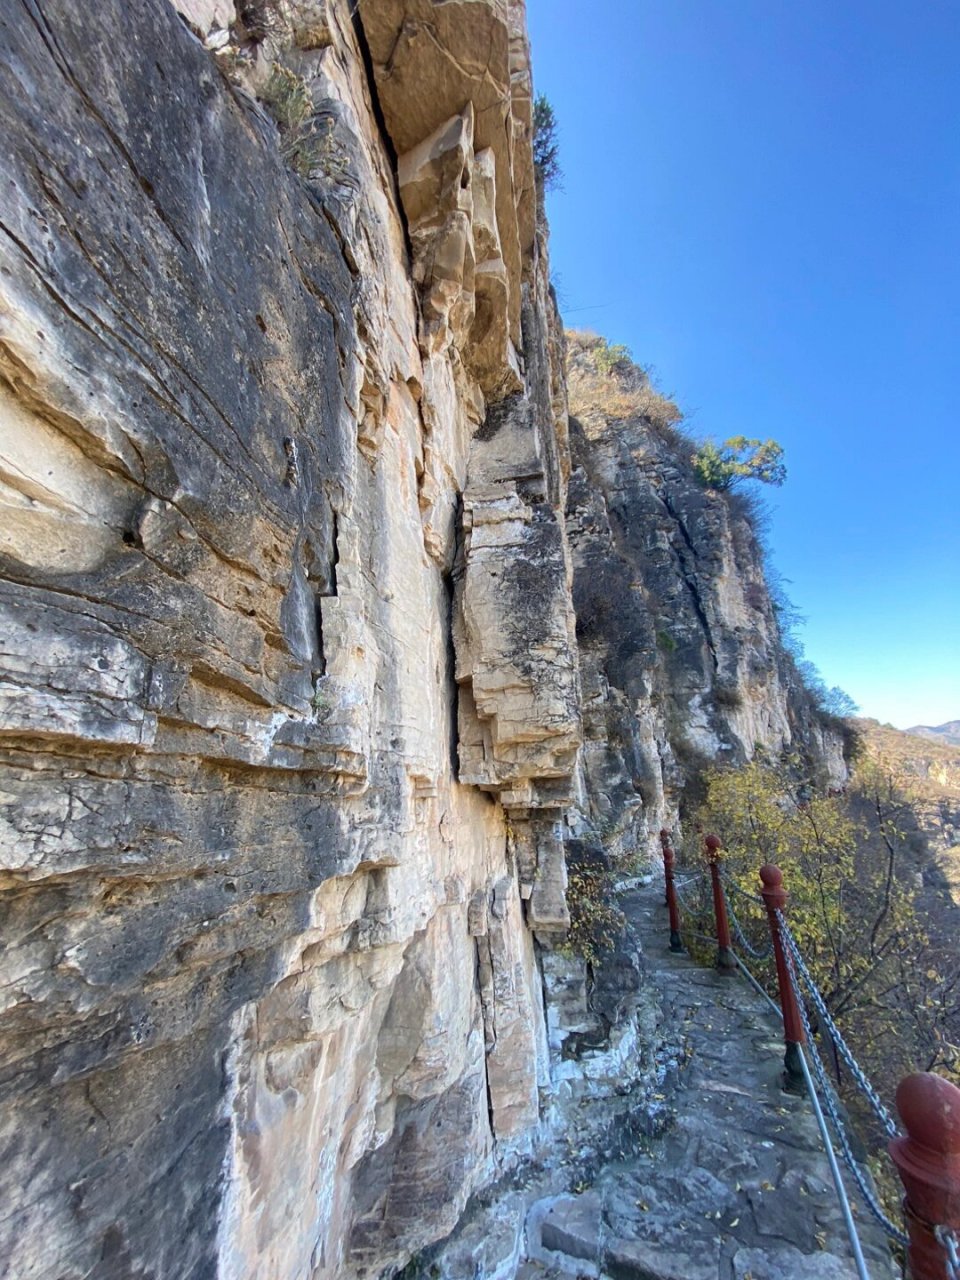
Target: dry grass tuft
[{"x": 603, "y": 380}]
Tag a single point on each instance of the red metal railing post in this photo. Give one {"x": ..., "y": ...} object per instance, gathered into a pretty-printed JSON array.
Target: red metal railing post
[
  {"x": 725, "y": 960},
  {"x": 669, "y": 861},
  {"x": 775, "y": 897},
  {"x": 928, "y": 1161}
]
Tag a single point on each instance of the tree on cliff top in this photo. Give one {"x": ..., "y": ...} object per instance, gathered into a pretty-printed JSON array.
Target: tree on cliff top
[
  {"x": 722, "y": 466},
  {"x": 546, "y": 149}
]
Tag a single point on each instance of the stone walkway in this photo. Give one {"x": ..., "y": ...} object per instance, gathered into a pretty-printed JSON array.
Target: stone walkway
[{"x": 736, "y": 1185}]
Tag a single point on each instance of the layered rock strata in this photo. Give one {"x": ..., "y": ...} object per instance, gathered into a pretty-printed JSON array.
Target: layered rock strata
[{"x": 271, "y": 998}]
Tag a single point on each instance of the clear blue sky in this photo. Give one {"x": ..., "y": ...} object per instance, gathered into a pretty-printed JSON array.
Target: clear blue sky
[{"x": 762, "y": 200}]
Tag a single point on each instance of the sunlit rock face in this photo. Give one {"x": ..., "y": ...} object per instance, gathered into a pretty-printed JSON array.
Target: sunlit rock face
[
  {"x": 271, "y": 1001},
  {"x": 294, "y": 729}
]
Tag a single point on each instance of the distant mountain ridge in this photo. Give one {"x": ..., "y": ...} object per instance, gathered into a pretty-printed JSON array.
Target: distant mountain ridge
[{"x": 948, "y": 732}]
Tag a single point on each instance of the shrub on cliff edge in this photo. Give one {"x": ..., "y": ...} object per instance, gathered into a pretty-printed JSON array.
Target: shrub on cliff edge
[{"x": 722, "y": 466}]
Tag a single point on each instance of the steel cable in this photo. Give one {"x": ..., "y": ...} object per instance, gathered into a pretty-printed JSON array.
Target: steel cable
[
  {"x": 948, "y": 1240},
  {"x": 881, "y": 1112},
  {"x": 685, "y": 880},
  {"x": 832, "y": 1107},
  {"x": 684, "y": 902}
]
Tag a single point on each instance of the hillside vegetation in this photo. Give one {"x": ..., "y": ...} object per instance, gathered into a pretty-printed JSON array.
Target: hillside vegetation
[
  {"x": 928, "y": 770},
  {"x": 604, "y": 383}
]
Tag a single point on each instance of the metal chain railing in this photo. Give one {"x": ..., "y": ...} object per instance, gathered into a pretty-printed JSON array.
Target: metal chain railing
[
  {"x": 690, "y": 909},
  {"x": 756, "y": 954},
  {"x": 832, "y": 1105},
  {"x": 879, "y": 1110},
  {"x": 795, "y": 980},
  {"x": 683, "y": 899},
  {"x": 763, "y": 953},
  {"x": 741, "y": 893}
]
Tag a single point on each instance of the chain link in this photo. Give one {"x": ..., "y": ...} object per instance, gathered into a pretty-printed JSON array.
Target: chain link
[
  {"x": 751, "y": 950},
  {"x": 832, "y": 1107},
  {"x": 948, "y": 1240},
  {"x": 685, "y": 902},
  {"x": 793, "y": 951},
  {"x": 741, "y": 936},
  {"x": 732, "y": 884}
]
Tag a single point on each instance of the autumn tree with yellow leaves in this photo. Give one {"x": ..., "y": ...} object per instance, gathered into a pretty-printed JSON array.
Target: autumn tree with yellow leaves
[{"x": 850, "y": 862}]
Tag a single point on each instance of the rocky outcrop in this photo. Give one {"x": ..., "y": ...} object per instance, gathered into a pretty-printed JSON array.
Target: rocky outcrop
[
  {"x": 295, "y": 730},
  {"x": 678, "y": 638},
  {"x": 466, "y": 51}
]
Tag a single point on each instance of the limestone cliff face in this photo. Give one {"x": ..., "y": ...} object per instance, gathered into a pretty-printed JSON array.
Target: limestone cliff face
[
  {"x": 290, "y": 709},
  {"x": 280, "y": 426}
]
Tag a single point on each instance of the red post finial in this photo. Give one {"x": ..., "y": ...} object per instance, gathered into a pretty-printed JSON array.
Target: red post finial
[
  {"x": 771, "y": 876},
  {"x": 929, "y": 1107},
  {"x": 928, "y": 1161},
  {"x": 773, "y": 892},
  {"x": 775, "y": 898},
  {"x": 725, "y": 960}
]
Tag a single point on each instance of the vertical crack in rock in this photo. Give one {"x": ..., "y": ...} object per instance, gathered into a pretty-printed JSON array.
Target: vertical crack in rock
[{"x": 688, "y": 558}]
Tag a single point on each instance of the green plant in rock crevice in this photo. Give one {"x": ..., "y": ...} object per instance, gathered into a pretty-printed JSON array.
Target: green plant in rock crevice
[
  {"x": 595, "y": 921},
  {"x": 322, "y": 701},
  {"x": 288, "y": 100}
]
